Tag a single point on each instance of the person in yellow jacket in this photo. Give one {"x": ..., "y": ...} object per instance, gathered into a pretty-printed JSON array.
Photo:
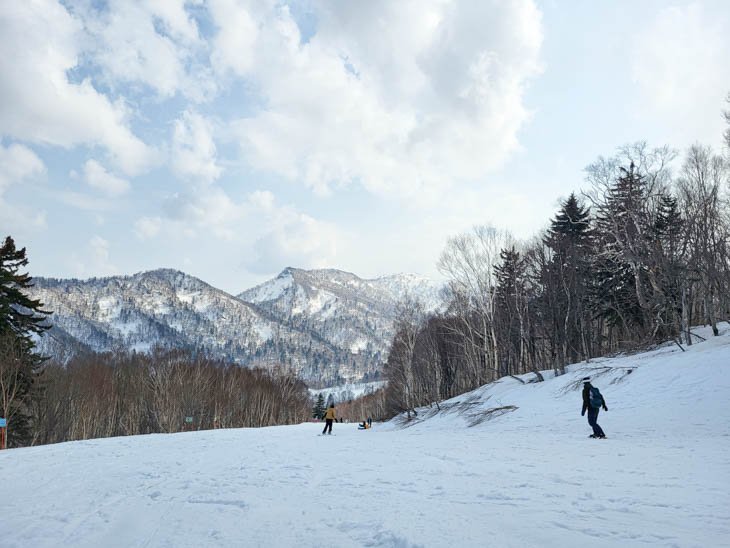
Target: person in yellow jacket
[{"x": 329, "y": 418}]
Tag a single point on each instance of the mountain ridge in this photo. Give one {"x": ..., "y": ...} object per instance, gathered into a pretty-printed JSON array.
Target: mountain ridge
[{"x": 329, "y": 326}]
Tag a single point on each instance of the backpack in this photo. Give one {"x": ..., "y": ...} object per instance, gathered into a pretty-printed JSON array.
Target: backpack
[{"x": 594, "y": 398}]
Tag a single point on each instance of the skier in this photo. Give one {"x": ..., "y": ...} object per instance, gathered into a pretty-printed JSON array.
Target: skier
[
  {"x": 370, "y": 422},
  {"x": 592, "y": 402},
  {"x": 329, "y": 418}
]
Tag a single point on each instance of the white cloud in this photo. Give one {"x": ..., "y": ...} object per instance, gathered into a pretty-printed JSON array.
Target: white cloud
[
  {"x": 193, "y": 153},
  {"x": 680, "y": 63},
  {"x": 83, "y": 201},
  {"x": 21, "y": 220},
  {"x": 151, "y": 43},
  {"x": 291, "y": 239},
  {"x": 402, "y": 97},
  {"x": 233, "y": 45},
  {"x": 176, "y": 21},
  {"x": 100, "y": 248},
  {"x": 18, "y": 163},
  {"x": 212, "y": 210},
  {"x": 38, "y": 103},
  {"x": 413, "y": 238},
  {"x": 97, "y": 177},
  {"x": 96, "y": 261},
  {"x": 264, "y": 200},
  {"x": 147, "y": 227},
  {"x": 276, "y": 235}
]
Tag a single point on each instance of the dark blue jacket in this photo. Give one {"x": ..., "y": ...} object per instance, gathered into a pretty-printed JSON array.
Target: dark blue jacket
[{"x": 586, "y": 398}]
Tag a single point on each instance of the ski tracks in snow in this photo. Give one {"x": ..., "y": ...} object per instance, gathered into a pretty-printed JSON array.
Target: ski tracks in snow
[{"x": 527, "y": 478}]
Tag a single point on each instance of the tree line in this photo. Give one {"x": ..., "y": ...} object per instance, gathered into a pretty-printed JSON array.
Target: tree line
[
  {"x": 127, "y": 393},
  {"x": 638, "y": 258}
]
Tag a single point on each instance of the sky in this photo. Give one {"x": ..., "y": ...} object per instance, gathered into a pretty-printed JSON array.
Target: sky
[{"x": 231, "y": 139}]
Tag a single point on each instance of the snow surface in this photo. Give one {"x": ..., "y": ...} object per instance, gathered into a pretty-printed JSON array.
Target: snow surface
[
  {"x": 109, "y": 307},
  {"x": 361, "y": 343},
  {"x": 270, "y": 290},
  {"x": 530, "y": 477}
]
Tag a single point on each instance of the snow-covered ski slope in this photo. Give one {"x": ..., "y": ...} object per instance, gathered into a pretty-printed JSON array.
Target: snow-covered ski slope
[{"x": 530, "y": 477}]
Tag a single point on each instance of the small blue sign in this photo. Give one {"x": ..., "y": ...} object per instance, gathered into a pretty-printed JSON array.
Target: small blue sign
[{"x": 3, "y": 423}]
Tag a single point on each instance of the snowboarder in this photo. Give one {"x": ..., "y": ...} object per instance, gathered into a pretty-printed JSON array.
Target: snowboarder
[
  {"x": 592, "y": 402},
  {"x": 329, "y": 418}
]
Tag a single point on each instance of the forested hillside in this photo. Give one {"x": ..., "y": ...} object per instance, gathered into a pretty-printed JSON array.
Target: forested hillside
[{"x": 637, "y": 258}]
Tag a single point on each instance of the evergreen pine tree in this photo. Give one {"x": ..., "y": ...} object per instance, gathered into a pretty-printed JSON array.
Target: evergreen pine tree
[
  {"x": 571, "y": 225},
  {"x": 620, "y": 267},
  {"x": 21, "y": 318},
  {"x": 565, "y": 279},
  {"x": 670, "y": 269},
  {"x": 319, "y": 408},
  {"x": 509, "y": 275}
]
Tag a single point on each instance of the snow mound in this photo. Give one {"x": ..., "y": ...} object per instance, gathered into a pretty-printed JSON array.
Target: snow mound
[{"x": 675, "y": 383}]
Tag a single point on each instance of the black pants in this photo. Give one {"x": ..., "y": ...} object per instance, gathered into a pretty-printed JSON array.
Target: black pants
[
  {"x": 327, "y": 424},
  {"x": 593, "y": 421}
]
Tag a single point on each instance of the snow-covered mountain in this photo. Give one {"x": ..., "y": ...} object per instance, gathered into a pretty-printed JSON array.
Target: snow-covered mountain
[
  {"x": 170, "y": 309},
  {"x": 341, "y": 308},
  {"x": 509, "y": 464}
]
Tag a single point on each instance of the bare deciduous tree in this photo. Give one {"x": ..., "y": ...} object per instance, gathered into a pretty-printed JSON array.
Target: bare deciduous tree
[
  {"x": 113, "y": 394},
  {"x": 399, "y": 369},
  {"x": 469, "y": 262},
  {"x": 704, "y": 178},
  {"x": 13, "y": 376}
]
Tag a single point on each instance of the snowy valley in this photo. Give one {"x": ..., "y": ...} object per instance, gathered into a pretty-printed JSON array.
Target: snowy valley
[
  {"x": 331, "y": 327},
  {"x": 508, "y": 465}
]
